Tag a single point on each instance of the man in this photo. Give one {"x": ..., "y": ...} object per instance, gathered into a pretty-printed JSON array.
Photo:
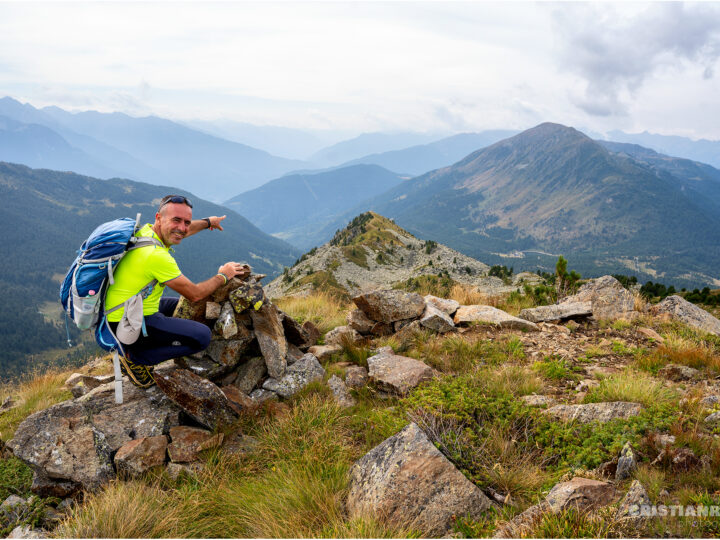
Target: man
[{"x": 167, "y": 337}]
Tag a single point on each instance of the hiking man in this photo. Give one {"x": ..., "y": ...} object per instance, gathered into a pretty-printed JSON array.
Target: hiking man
[{"x": 167, "y": 337}]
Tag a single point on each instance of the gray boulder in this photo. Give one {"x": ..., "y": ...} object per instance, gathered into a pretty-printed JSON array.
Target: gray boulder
[
  {"x": 557, "y": 312},
  {"x": 692, "y": 315},
  {"x": 390, "y": 305},
  {"x": 493, "y": 316},
  {"x": 435, "y": 319},
  {"x": 610, "y": 300},
  {"x": 590, "y": 412},
  {"x": 397, "y": 374},
  {"x": 296, "y": 377},
  {"x": 407, "y": 480},
  {"x": 69, "y": 445}
]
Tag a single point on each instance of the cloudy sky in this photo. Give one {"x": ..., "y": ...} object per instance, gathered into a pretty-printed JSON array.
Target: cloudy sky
[{"x": 409, "y": 66}]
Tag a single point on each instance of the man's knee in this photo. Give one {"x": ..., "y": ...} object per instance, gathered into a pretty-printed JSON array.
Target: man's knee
[{"x": 203, "y": 336}]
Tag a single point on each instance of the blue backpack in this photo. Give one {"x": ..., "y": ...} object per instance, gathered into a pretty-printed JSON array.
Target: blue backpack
[{"x": 83, "y": 290}]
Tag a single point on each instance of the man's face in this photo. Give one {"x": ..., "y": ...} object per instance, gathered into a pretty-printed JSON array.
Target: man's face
[{"x": 172, "y": 222}]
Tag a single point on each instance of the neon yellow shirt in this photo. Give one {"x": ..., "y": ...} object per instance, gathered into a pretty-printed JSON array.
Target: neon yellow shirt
[{"x": 138, "y": 268}]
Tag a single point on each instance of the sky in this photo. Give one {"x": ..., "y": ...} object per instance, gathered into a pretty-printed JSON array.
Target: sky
[{"x": 434, "y": 67}]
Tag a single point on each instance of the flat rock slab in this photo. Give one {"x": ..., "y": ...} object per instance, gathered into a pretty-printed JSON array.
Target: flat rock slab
[
  {"x": 140, "y": 455},
  {"x": 397, "y": 374},
  {"x": 296, "y": 377},
  {"x": 692, "y": 315},
  {"x": 610, "y": 300},
  {"x": 492, "y": 315},
  {"x": 407, "y": 480},
  {"x": 271, "y": 337},
  {"x": 324, "y": 352},
  {"x": 198, "y": 397},
  {"x": 557, "y": 312},
  {"x": 390, "y": 305},
  {"x": 589, "y": 412},
  {"x": 435, "y": 319},
  {"x": 448, "y": 307},
  {"x": 69, "y": 445}
]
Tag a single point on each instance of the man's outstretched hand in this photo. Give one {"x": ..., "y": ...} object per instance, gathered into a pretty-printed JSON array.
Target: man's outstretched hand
[
  {"x": 234, "y": 269},
  {"x": 215, "y": 222}
]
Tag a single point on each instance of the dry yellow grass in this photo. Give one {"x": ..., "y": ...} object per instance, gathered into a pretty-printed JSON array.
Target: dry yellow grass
[{"x": 322, "y": 309}]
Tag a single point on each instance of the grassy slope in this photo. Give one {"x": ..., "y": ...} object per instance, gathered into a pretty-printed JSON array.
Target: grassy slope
[{"x": 294, "y": 484}]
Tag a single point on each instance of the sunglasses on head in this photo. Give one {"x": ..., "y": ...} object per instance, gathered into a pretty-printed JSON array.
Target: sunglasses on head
[{"x": 177, "y": 199}]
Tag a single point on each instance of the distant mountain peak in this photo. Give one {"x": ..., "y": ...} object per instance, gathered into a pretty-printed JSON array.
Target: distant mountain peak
[{"x": 370, "y": 229}]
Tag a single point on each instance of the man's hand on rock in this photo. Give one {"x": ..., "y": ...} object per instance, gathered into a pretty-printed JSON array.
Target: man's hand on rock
[
  {"x": 234, "y": 269},
  {"x": 215, "y": 222}
]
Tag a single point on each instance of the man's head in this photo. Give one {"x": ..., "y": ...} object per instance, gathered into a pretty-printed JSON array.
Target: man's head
[{"x": 172, "y": 219}]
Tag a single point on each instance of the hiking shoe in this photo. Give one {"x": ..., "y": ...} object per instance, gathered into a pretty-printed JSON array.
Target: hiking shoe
[{"x": 141, "y": 376}]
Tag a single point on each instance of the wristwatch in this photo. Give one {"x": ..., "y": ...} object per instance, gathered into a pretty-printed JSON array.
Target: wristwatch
[{"x": 207, "y": 219}]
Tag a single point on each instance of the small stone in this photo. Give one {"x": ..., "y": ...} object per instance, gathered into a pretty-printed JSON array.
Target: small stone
[
  {"x": 650, "y": 334},
  {"x": 247, "y": 296},
  {"x": 356, "y": 377},
  {"x": 580, "y": 494},
  {"x": 296, "y": 377},
  {"x": 340, "y": 391},
  {"x": 194, "y": 311},
  {"x": 25, "y": 531},
  {"x": 397, "y": 374},
  {"x": 713, "y": 419},
  {"x": 294, "y": 354},
  {"x": 237, "y": 444},
  {"x": 222, "y": 293},
  {"x": 312, "y": 331},
  {"x": 535, "y": 400},
  {"x": 140, "y": 455},
  {"x": 238, "y": 400},
  {"x": 212, "y": 311},
  {"x": 229, "y": 353},
  {"x": 709, "y": 401},
  {"x": 261, "y": 395},
  {"x": 627, "y": 463},
  {"x": 184, "y": 443},
  {"x": 630, "y": 504}
]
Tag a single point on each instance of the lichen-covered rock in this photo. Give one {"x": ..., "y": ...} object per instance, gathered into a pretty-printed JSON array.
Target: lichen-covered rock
[
  {"x": 557, "y": 312},
  {"x": 194, "y": 311},
  {"x": 69, "y": 444},
  {"x": 447, "y": 306},
  {"x": 339, "y": 334},
  {"x": 248, "y": 295},
  {"x": 629, "y": 507},
  {"x": 627, "y": 463},
  {"x": 435, "y": 319},
  {"x": 407, "y": 480},
  {"x": 271, "y": 338},
  {"x": 80, "y": 384},
  {"x": 692, "y": 315},
  {"x": 250, "y": 373},
  {"x": 589, "y": 412},
  {"x": 357, "y": 320},
  {"x": 184, "y": 443},
  {"x": 296, "y": 377},
  {"x": 397, "y": 374},
  {"x": 198, "y": 397},
  {"x": 610, "y": 300},
  {"x": 340, "y": 392},
  {"x": 492, "y": 315},
  {"x": 238, "y": 400},
  {"x": 222, "y": 293},
  {"x": 140, "y": 455},
  {"x": 390, "y": 305}
]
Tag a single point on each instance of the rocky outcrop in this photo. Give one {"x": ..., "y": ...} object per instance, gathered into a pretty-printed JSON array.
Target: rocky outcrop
[
  {"x": 492, "y": 316},
  {"x": 70, "y": 445},
  {"x": 296, "y": 377},
  {"x": 198, "y": 397},
  {"x": 680, "y": 309},
  {"x": 390, "y": 305},
  {"x": 590, "y": 412},
  {"x": 397, "y": 374},
  {"x": 407, "y": 480},
  {"x": 557, "y": 312},
  {"x": 609, "y": 299}
]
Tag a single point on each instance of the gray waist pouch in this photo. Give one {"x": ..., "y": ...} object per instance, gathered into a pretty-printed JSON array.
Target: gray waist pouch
[{"x": 132, "y": 322}]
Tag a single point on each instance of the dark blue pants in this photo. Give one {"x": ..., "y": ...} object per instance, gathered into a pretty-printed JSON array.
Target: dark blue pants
[{"x": 167, "y": 336}]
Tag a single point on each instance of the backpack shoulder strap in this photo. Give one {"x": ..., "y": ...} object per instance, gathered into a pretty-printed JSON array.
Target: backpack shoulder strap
[
  {"x": 115, "y": 308},
  {"x": 144, "y": 241}
]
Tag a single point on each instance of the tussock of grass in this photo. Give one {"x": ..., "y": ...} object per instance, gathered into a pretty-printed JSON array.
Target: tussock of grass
[
  {"x": 36, "y": 394},
  {"x": 322, "y": 309},
  {"x": 572, "y": 524},
  {"x": 634, "y": 387},
  {"x": 652, "y": 479},
  {"x": 688, "y": 353},
  {"x": 468, "y": 295},
  {"x": 553, "y": 368}
]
